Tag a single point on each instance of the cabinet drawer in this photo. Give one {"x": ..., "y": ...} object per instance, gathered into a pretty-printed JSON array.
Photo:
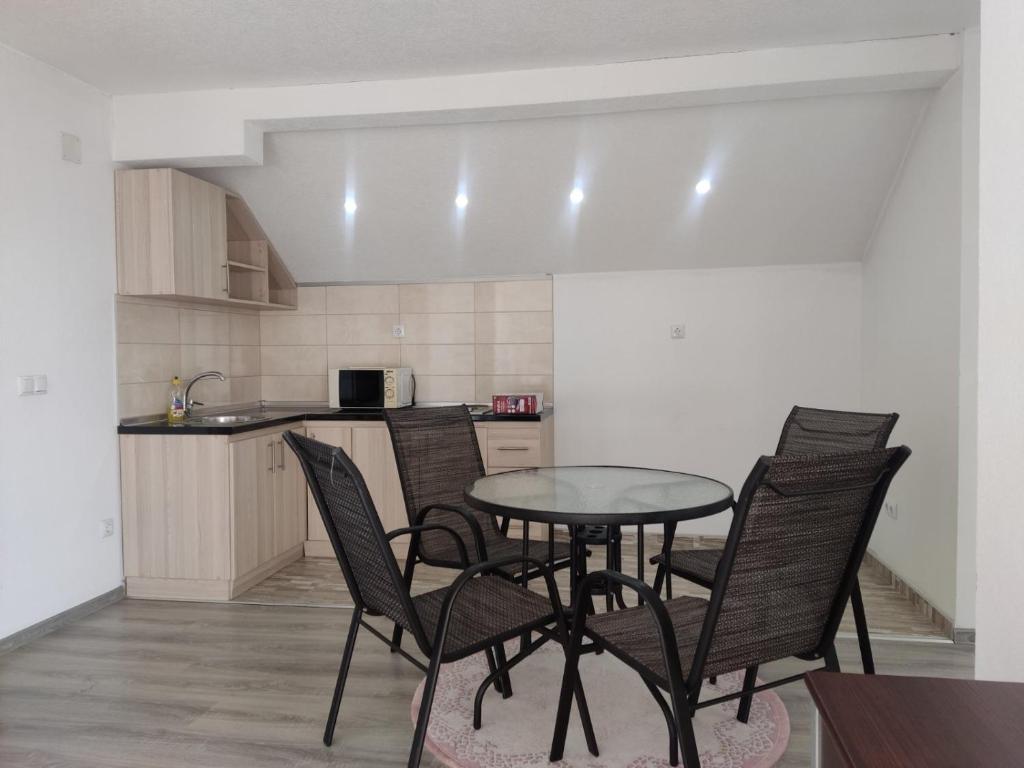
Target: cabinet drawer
[{"x": 504, "y": 451}]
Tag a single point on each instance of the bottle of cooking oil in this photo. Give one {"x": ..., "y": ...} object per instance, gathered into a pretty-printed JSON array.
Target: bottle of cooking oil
[{"x": 176, "y": 403}]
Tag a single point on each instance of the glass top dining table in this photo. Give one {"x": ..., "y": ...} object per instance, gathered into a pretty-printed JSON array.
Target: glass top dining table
[
  {"x": 597, "y": 495},
  {"x": 579, "y": 496}
]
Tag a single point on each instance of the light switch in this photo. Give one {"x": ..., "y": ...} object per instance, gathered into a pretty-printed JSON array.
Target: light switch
[{"x": 39, "y": 382}]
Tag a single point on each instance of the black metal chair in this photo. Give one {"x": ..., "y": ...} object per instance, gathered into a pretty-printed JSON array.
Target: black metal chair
[
  {"x": 477, "y": 612},
  {"x": 800, "y": 530},
  {"x": 806, "y": 431},
  {"x": 437, "y": 454}
]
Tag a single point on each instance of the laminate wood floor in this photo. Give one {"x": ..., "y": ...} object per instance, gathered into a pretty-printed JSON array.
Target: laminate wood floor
[
  {"x": 147, "y": 684},
  {"x": 319, "y": 582}
]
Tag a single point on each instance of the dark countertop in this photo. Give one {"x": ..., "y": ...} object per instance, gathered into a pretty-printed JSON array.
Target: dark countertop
[{"x": 274, "y": 416}]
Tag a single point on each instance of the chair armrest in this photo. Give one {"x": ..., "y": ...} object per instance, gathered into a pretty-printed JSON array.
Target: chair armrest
[
  {"x": 474, "y": 525},
  {"x": 416, "y": 530}
]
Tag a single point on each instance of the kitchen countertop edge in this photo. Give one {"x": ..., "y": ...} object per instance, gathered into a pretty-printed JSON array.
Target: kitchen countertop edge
[{"x": 162, "y": 428}]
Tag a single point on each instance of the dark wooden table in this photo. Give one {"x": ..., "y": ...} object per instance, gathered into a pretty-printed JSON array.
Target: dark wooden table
[{"x": 881, "y": 721}]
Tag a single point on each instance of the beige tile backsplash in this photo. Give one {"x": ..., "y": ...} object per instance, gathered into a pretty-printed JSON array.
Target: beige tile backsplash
[
  {"x": 464, "y": 341},
  {"x": 158, "y": 339}
]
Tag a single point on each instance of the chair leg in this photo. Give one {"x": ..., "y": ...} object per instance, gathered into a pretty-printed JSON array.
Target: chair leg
[
  {"x": 832, "y": 660},
  {"x": 505, "y": 682},
  {"x": 863, "y": 638},
  {"x": 410, "y": 565},
  {"x": 609, "y": 560},
  {"x": 588, "y": 725},
  {"x": 619, "y": 599},
  {"x": 570, "y": 679},
  {"x": 492, "y": 665},
  {"x": 673, "y": 740},
  {"x": 749, "y": 681},
  {"x": 691, "y": 757},
  {"x": 684, "y": 727},
  {"x": 423, "y": 719},
  {"x": 659, "y": 579},
  {"x": 339, "y": 686}
]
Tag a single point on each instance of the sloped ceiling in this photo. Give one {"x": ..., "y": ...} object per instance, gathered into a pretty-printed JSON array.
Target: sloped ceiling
[
  {"x": 793, "y": 182},
  {"x": 167, "y": 45}
]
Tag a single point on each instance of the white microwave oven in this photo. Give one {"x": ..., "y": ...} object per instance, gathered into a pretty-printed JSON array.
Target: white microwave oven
[{"x": 371, "y": 387}]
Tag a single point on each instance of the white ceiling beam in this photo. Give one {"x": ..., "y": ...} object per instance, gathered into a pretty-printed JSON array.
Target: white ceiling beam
[{"x": 226, "y": 127}]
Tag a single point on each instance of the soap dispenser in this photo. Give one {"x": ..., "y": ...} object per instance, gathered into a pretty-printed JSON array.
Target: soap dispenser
[{"x": 176, "y": 403}]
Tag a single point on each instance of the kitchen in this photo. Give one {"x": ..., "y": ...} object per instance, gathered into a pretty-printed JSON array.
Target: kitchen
[{"x": 212, "y": 507}]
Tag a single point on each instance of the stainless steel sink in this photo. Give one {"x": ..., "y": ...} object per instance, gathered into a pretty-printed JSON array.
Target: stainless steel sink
[{"x": 222, "y": 420}]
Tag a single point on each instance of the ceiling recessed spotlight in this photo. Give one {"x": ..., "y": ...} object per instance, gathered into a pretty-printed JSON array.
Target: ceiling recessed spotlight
[
  {"x": 576, "y": 196},
  {"x": 703, "y": 187},
  {"x": 461, "y": 201},
  {"x": 350, "y": 205}
]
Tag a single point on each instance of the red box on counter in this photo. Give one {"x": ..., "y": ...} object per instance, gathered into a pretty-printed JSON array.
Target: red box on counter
[{"x": 509, "y": 405}]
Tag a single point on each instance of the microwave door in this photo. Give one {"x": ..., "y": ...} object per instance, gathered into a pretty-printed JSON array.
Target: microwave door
[{"x": 360, "y": 389}]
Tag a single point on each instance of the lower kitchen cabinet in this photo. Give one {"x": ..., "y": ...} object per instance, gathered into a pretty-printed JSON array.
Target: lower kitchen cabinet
[
  {"x": 369, "y": 447},
  {"x": 504, "y": 446},
  {"x": 205, "y": 517},
  {"x": 268, "y": 492}
]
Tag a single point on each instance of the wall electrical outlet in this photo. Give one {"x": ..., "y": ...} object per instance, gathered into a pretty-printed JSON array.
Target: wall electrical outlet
[
  {"x": 677, "y": 331},
  {"x": 892, "y": 509},
  {"x": 398, "y": 331},
  {"x": 107, "y": 528}
]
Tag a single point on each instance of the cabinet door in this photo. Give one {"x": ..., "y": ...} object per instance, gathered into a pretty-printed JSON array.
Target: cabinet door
[
  {"x": 289, "y": 498},
  {"x": 373, "y": 454},
  {"x": 200, "y": 234},
  {"x": 341, "y": 437},
  {"x": 209, "y": 243},
  {"x": 252, "y": 499}
]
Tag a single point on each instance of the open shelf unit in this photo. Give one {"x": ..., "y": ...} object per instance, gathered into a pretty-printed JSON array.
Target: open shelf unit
[{"x": 255, "y": 271}]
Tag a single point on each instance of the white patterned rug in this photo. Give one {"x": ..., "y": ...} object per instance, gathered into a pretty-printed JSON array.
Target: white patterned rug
[{"x": 631, "y": 730}]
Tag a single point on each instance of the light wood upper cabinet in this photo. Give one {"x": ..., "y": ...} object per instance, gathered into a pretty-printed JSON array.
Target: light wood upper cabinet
[
  {"x": 180, "y": 236},
  {"x": 204, "y": 262}
]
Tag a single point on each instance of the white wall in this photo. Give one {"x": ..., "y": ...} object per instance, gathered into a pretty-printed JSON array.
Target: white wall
[
  {"x": 58, "y": 456},
  {"x": 1000, "y": 621},
  {"x": 967, "y": 449},
  {"x": 758, "y": 341},
  {"x": 911, "y": 345}
]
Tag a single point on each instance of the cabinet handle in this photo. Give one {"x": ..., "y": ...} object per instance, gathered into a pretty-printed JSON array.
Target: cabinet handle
[
  {"x": 280, "y": 444},
  {"x": 512, "y": 448},
  {"x": 270, "y": 447},
  {"x": 226, "y": 272}
]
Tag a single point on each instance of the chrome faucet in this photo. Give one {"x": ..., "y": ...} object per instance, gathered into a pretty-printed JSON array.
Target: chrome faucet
[{"x": 188, "y": 388}]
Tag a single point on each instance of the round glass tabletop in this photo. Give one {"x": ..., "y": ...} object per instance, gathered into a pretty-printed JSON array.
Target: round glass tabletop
[{"x": 598, "y": 495}]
